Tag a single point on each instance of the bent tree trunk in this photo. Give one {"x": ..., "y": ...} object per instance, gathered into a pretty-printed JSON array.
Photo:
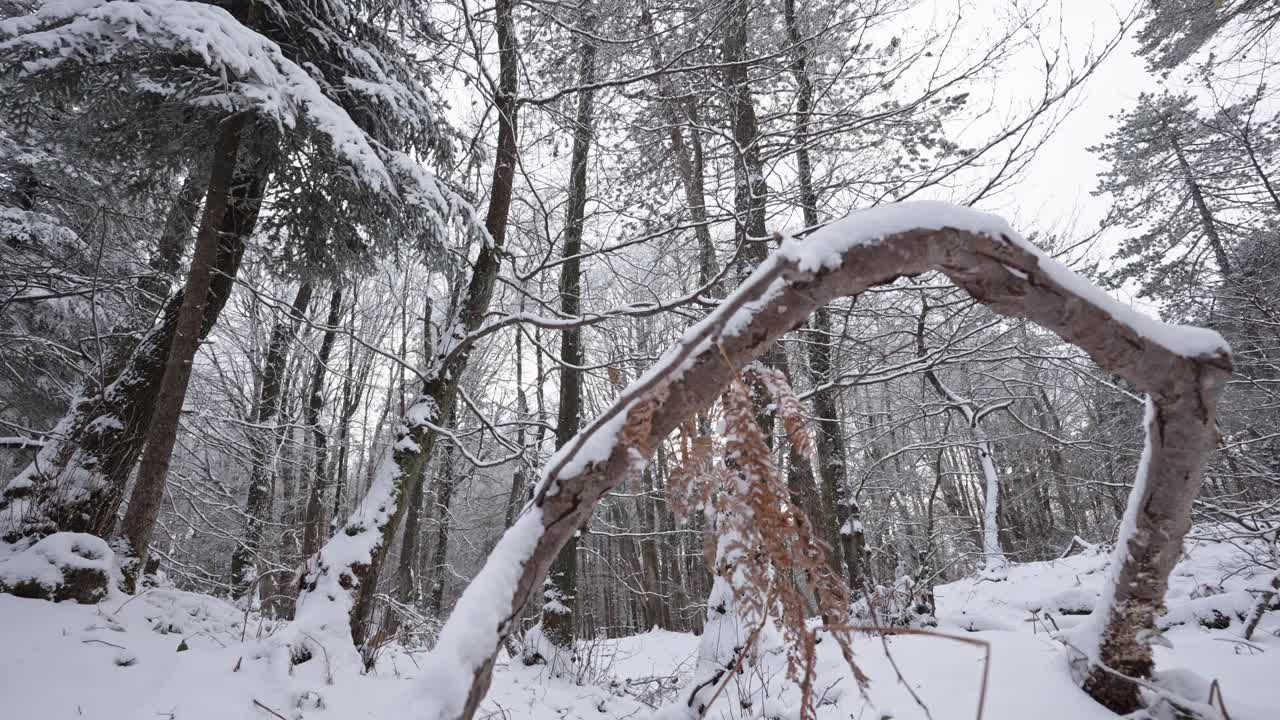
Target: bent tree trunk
[
  {"x": 1181, "y": 369},
  {"x": 77, "y": 481},
  {"x": 148, "y": 489}
]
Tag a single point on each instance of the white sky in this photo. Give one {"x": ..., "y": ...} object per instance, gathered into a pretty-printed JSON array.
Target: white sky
[{"x": 1057, "y": 187}]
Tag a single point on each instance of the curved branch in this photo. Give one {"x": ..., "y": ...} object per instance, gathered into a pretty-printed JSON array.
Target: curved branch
[{"x": 1182, "y": 369}]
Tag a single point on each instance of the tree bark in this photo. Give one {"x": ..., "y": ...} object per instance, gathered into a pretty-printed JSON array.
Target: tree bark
[
  {"x": 750, "y": 190},
  {"x": 167, "y": 258},
  {"x": 162, "y": 433},
  {"x": 1202, "y": 208},
  {"x": 408, "y": 579},
  {"x": 313, "y": 518},
  {"x": 559, "y": 612},
  {"x": 443, "y": 497}
]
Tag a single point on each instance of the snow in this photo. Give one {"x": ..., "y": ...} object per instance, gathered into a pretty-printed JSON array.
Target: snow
[
  {"x": 256, "y": 74},
  {"x": 43, "y": 561},
  {"x": 122, "y": 659},
  {"x": 825, "y": 248}
]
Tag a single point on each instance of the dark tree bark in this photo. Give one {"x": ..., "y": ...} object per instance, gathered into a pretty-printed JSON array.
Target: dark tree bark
[
  {"x": 313, "y": 519},
  {"x": 1202, "y": 208},
  {"x": 408, "y": 581},
  {"x": 519, "y": 477},
  {"x": 443, "y": 497},
  {"x": 175, "y": 235},
  {"x": 162, "y": 432},
  {"x": 558, "y": 614}
]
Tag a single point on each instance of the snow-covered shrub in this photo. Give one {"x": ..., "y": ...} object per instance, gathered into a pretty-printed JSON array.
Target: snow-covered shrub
[{"x": 62, "y": 566}]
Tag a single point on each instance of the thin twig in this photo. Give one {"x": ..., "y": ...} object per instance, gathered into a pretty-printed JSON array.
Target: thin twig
[
  {"x": 273, "y": 712},
  {"x": 104, "y": 642}
]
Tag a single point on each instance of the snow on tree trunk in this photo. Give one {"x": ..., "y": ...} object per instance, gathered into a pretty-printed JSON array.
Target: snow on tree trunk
[
  {"x": 994, "y": 564},
  {"x": 1183, "y": 368},
  {"x": 76, "y": 482}
]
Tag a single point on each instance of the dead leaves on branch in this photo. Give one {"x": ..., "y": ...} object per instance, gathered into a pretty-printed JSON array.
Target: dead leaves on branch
[{"x": 761, "y": 543}]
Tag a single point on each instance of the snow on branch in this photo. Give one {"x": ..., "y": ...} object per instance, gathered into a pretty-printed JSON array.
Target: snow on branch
[
  {"x": 1181, "y": 368},
  {"x": 244, "y": 70}
]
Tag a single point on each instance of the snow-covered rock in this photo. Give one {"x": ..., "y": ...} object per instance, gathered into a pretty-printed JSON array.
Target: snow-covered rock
[{"x": 62, "y": 566}]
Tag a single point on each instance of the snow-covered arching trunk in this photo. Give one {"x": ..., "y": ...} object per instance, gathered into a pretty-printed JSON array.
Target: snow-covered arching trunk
[{"x": 1182, "y": 369}]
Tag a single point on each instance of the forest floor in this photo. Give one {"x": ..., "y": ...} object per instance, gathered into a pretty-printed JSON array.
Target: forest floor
[{"x": 172, "y": 655}]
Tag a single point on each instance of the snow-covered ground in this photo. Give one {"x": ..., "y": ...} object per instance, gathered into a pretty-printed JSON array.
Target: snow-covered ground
[{"x": 171, "y": 654}]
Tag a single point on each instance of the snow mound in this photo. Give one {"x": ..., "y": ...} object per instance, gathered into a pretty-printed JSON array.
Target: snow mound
[
  {"x": 1210, "y": 587},
  {"x": 62, "y": 566}
]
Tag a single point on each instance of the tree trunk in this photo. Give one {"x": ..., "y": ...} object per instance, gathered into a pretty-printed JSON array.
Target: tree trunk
[
  {"x": 1202, "y": 208},
  {"x": 313, "y": 519},
  {"x": 519, "y": 476},
  {"x": 1180, "y": 432},
  {"x": 167, "y": 258},
  {"x": 162, "y": 433},
  {"x": 263, "y": 439},
  {"x": 351, "y": 561},
  {"x": 440, "y": 553},
  {"x": 408, "y": 581},
  {"x": 844, "y": 533},
  {"x": 687, "y": 156},
  {"x": 562, "y": 595},
  {"x": 750, "y": 191},
  {"x": 77, "y": 481}
]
